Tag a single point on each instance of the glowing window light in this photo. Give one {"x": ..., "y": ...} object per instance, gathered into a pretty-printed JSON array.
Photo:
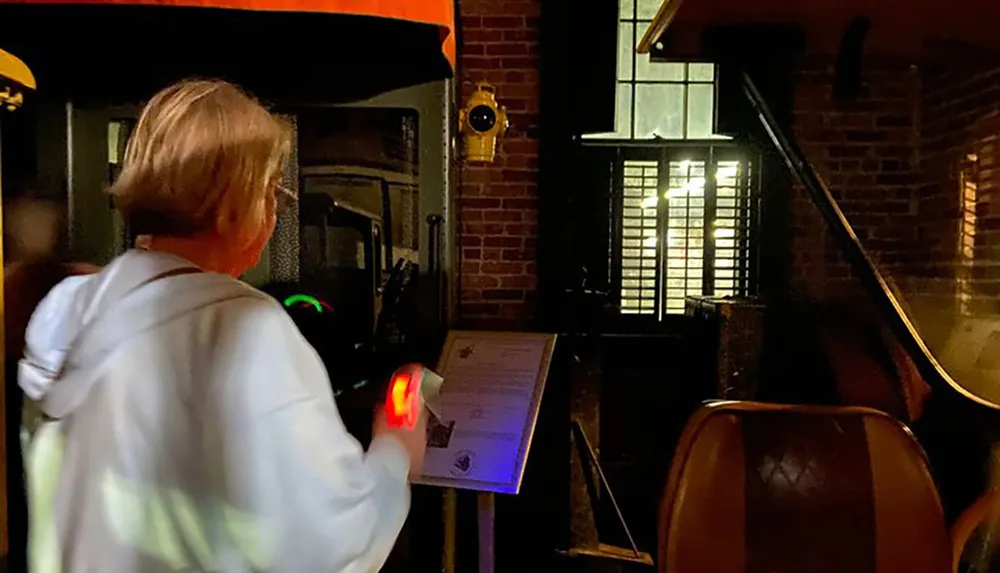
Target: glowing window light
[
  {"x": 968, "y": 225},
  {"x": 728, "y": 172}
]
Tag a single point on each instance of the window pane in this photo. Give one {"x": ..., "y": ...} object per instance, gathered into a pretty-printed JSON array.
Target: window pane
[
  {"x": 647, "y": 9},
  {"x": 626, "y": 9},
  {"x": 730, "y": 233},
  {"x": 701, "y": 106},
  {"x": 659, "y": 111},
  {"x": 639, "y": 186},
  {"x": 623, "y": 116},
  {"x": 684, "y": 257},
  {"x": 665, "y": 250},
  {"x": 626, "y": 50},
  {"x": 701, "y": 73},
  {"x": 647, "y": 70}
]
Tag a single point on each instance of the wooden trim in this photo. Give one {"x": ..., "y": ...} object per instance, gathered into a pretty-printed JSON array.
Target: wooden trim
[{"x": 664, "y": 16}]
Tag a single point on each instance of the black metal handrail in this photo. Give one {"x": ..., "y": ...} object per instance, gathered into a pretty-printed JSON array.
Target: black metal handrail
[{"x": 861, "y": 263}]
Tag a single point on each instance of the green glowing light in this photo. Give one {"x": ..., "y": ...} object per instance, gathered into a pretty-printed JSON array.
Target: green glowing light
[{"x": 304, "y": 298}]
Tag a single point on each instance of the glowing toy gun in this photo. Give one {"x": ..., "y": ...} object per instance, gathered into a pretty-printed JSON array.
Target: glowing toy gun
[{"x": 413, "y": 387}]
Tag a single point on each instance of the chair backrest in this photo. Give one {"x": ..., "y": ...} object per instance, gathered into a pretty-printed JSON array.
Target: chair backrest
[{"x": 761, "y": 488}]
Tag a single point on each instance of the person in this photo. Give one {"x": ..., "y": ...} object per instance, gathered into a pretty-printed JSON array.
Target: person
[{"x": 187, "y": 425}]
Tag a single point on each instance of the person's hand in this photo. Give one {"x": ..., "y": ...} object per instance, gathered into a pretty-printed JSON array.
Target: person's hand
[{"x": 414, "y": 440}]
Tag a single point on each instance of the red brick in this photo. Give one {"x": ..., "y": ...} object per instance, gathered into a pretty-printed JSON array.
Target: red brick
[
  {"x": 507, "y": 190},
  {"x": 506, "y": 49},
  {"x": 492, "y": 254},
  {"x": 504, "y": 216},
  {"x": 518, "y": 255},
  {"x": 523, "y": 204},
  {"x": 525, "y": 146},
  {"x": 482, "y": 281},
  {"x": 518, "y": 63},
  {"x": 503, "y": 294},
  {"x": 522, "y": 7},
  {"x": 477, "y": 203},
  {"x": 866, "y": 153},
  {"x": 526, "y": 35},
  {"x": 521, "y": 230},
  {"x": 472, "y": 62},
  {"x": 519, "y": 176},
  {"x": 521, "y": 161},
  {"x": 497, "y": 205},
  {"x": 471, "y": 22},
  {"x": 503, "y": 22},
  {"x": 502, "y": 268},
  {"x": 507, "y": 242},
  {"x": 470, "y": 190},
  {"x": 480, "y": 36},
  {"x": 522, "y": 281},
  {"x": 519, "y": 76}
]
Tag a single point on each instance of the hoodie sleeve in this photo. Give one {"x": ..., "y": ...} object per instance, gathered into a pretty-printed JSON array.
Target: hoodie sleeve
[{"x": 302, "y": 494}]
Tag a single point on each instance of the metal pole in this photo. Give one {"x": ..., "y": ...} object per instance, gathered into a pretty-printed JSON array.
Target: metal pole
[
  {"x": 486, "y": 503},
  {"x": 434, "y": 267},
  {"x": 449, "y": 507}
]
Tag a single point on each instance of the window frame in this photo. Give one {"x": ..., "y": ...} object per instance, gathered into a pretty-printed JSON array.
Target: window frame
[
  {"x": 665, "y": 151},
  {"x": 634, "y": 111}
]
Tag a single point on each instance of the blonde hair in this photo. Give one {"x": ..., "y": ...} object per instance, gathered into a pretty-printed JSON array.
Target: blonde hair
[{"x": 204, "y": 156}]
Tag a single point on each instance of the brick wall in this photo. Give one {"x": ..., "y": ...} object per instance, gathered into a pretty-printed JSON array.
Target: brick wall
[
  {"x": 890, "y": 159},
  {"x": 959, "y": 166},
  {"x": 867, "y": 153},
  {"x": 497, "y": 204},
  {"x": 896, "y": 161}
]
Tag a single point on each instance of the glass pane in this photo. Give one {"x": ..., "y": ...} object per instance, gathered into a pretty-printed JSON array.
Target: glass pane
[
  {"x": 626, "y": 9},
  {"x": 701, "y": 72},
  {"x": 684, "y": 256},
  {"x": 646, "y": 70},
  {"x": 700, "y": 111},
  {"x": 659, "y": 111},
  {"x": 626, "y": 50},
  {"x": 623, "y": 116},
  {"x": 647, "y": 9},
  {"x": 639, "y": 296}
]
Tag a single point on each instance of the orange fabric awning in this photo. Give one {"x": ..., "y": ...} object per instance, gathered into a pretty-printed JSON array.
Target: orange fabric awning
[{"x": 436, "y": 12}]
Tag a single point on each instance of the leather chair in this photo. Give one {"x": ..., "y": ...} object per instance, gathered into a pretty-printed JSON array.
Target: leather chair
[{"x": 762, "y": 488}]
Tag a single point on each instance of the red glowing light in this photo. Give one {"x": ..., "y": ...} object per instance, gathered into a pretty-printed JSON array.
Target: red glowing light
[{"x": 403, "y": 402}]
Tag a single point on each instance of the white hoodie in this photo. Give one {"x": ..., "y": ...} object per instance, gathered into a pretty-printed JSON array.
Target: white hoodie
[{"x": 194, "y": 430}]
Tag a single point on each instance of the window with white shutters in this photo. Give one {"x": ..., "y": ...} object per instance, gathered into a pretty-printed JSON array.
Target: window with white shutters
[{"x": 685, "y": 227}]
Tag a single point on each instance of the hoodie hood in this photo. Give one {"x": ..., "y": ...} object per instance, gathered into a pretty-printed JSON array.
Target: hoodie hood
[
  {"x": 84, "y": 319},
  {"x": 53, "y": 327}
]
